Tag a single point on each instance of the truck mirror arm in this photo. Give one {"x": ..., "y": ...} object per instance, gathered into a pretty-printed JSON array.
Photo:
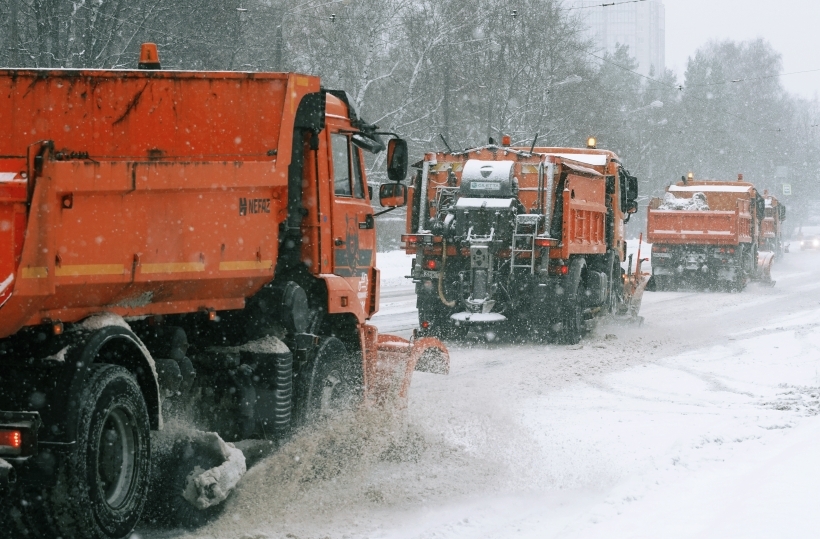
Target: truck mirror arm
[{"x": 386, "y": 211}]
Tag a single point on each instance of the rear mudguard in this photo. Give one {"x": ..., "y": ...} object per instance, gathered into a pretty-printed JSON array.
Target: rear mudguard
[{"x": 391, "y": 360}]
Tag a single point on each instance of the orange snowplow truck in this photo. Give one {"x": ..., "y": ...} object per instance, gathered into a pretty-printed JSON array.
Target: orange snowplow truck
[
  {"x": 520, "y": 239},
  {"x": 706, "y": 233},
  {"x": 177, "y": 243},
  {"x": 771, "y": 229}
]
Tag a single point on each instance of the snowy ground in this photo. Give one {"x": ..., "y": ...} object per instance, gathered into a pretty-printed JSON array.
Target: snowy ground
[{"x": 700, "y": 423}]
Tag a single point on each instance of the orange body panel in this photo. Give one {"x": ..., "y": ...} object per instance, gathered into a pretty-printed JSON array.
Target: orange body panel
[
  {"x": 771, "y": 228},
  {"x": 585, "y": 209},
  {"x": 729, "y": 220},
  {"x": 164, "y": 193}
]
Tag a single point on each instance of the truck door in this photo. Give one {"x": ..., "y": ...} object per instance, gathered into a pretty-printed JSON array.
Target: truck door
[{"x": 353, "y": 227}]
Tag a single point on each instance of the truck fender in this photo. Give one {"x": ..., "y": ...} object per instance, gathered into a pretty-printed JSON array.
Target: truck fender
[{"x": 120, "y": 346}]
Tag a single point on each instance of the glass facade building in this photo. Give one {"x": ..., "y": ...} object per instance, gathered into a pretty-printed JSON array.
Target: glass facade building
[{"x": 640, "y": 25}]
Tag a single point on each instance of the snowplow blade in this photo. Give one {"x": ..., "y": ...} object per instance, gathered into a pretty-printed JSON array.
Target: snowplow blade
[
  {"x": 763, "y": 273},
  {"x": 633, "y": 306},
  {"x": 391, "y": 360}
]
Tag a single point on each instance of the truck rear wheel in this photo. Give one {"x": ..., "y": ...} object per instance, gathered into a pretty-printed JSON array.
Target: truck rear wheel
[
  {"x": 103, "y": 482},
  {"x": 572, "y": 318}
]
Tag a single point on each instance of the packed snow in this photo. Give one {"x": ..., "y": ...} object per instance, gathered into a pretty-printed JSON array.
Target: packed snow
[
  {"x": 207, "y": 488},
  {"x": 702, "y": 422},
  {"x": 696, "y": 203}
]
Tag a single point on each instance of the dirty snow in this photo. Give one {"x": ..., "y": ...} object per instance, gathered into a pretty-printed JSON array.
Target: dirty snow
[
  {"x": 265, "y": 345},
  {"x": 59, "y": 356},
  {"x": 703, "y": 422},
  {"x": 207, "y": 488},
  {"x": 696, "y": 203},
  {"x": 101, "y": 320}
]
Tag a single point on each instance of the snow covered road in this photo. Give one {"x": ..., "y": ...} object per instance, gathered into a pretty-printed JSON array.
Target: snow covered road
[{"x": 701, "y": 423}]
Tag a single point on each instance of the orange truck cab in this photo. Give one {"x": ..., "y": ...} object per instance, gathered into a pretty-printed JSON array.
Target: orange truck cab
[{"x": 183, "y": 243}]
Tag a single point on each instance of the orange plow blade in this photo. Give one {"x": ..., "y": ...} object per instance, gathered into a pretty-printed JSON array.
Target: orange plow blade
[{"x": 391, "y": 360}]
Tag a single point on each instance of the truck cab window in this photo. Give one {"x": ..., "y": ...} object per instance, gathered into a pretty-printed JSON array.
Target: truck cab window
[
  {"x": 341, "y": 165},
  {"x": 358, "y": 183}
]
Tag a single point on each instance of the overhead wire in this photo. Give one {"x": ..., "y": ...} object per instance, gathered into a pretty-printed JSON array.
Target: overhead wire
[{"x": 610, "y": 4}]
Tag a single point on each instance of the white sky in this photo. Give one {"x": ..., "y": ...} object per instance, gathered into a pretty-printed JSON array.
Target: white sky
[{"x": 791, "y": 26}]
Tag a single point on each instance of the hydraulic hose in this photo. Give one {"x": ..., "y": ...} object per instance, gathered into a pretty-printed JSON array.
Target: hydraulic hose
[{"x": 441, "y": 295}]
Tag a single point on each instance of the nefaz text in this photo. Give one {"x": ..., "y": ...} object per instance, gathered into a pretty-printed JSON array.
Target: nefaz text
[{"x": 254, "y": 205}]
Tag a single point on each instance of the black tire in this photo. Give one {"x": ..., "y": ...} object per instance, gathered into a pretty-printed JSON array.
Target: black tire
[
  {"x": 102, "y": 484},
  {"x": 332, "y": 385},
  {"x": 431, "y": 310},
  {"x": 572, "y": 318}
]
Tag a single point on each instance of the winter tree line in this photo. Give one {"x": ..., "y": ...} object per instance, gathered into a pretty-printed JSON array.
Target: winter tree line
[{"x": 466, "y": 70}]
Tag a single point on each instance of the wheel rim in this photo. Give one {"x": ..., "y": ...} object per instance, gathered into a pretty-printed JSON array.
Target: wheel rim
[{"x": 116, "y": 456}]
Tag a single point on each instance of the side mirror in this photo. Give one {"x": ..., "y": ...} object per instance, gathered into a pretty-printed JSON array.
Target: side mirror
[
  {"x": 393, "y": 195},
  {"x": 631, "y": 188},
  {"x": 397, "y": 160},
  {"x": 633, "y": 207}
]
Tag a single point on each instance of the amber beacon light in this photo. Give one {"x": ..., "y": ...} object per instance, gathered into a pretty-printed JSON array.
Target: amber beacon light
[{"x": 149, "y": 57}]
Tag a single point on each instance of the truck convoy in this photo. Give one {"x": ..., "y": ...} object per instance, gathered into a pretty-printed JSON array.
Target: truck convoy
[
  {"x": 177, "y": 242},
  {"x": 708, "y": 233},
  {"x": 515, "y": 238}
]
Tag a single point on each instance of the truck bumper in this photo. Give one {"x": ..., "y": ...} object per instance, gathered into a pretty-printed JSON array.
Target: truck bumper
[{"x": 25, "y": 461}]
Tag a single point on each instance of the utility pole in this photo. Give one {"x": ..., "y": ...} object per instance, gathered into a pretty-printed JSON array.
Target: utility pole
[{"x": 14, "y": 58}]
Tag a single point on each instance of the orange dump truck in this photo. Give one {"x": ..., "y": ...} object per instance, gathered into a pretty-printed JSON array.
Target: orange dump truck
[
  {"x": 706, "y": 233},
  {"x": 177, "y": 243},
  {"x": 521, "y": 239},
  {"x": 771, "y": 228}
]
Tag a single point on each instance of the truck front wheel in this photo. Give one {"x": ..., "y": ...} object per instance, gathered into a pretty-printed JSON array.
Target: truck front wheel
[
  {"x": 103, "y": 481},
  {"x": 332, "y": 385}
]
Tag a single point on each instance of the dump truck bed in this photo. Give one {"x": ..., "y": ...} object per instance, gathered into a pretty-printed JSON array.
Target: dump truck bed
[
  {"x": 728, "y": 221},
  {"x": 140, "y": 193}
]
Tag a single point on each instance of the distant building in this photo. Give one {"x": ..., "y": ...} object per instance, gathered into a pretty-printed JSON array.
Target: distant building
[{"x": 640, "y": 25}]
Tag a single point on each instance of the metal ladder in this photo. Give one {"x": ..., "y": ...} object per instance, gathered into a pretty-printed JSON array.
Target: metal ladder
[{"x": 524, "y": 220}]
